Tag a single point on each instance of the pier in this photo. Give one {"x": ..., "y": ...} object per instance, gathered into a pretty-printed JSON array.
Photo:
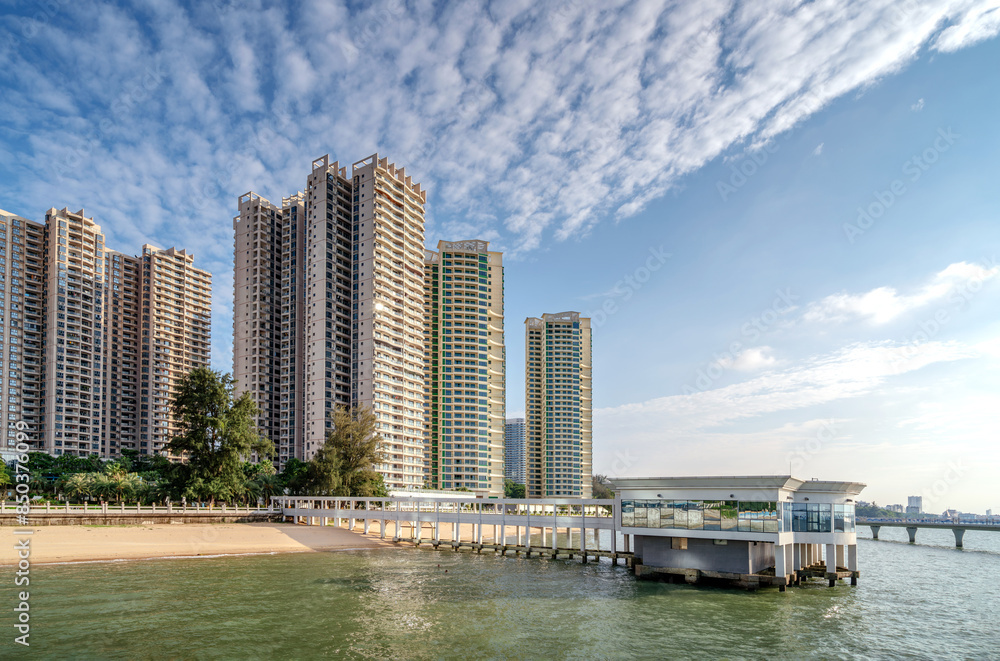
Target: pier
[
  {"x": 564, "y": 528},
  {"x": 746, "y": 532},
  {"x": 911, "y": 526}
]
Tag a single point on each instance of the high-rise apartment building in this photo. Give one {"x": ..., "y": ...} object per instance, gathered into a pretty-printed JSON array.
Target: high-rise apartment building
[
  {"x": 387, "y": 361},
  {"x": 257, "y": 307},
  {"x": 95, "y": 339},
  {"x": 74, "y": 353},
  {"x": 464, "y": 366},
  {"x": 330, "y": 291},
  {"x": 175, "y": 336},
  {"x": 515, "y": 451},
  {"x": 22, "y": 310},
  {"x": 341, "y": 267},
  {"x": 558, "y": 405},
  {"x": 123, "y": 307}
]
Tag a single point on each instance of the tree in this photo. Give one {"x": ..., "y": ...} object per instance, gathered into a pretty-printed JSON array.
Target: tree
[
  {"x": 323, "y": 474},
  {"x": 5, "y": 479},
  {"x": 512, "y": 489},
  {"x": 293, "y": 477},
  {"x": 357, "y": 446},
  {"x": 216, "y": 433},
  {"x": 601, "y": 487},
  {"x": 77, "y": 486}
]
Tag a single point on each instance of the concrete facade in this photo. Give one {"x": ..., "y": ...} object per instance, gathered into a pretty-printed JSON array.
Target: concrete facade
[
  {"x": 96, "y": 339},
  {"x": 328, "y": 310}
]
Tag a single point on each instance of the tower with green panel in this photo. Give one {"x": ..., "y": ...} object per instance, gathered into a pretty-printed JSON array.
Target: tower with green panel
[{"x": 464, "y": 366}]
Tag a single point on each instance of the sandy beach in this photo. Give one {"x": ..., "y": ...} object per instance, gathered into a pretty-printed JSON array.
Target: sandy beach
[{"x": 89, "y": 543}]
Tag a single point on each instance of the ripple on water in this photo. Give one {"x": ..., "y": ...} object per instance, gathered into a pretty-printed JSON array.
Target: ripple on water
[{"x": 926, "y": 600}]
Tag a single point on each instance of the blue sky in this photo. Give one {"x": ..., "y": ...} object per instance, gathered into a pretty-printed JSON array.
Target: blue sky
[{"x": 691, "y": 173}]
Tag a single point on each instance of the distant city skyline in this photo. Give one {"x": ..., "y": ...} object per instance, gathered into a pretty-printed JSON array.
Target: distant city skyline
[{"x": 782, "y": 221}]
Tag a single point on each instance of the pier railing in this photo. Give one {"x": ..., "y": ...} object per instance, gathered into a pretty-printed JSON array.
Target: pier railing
[{"x": 8, "y": 507}]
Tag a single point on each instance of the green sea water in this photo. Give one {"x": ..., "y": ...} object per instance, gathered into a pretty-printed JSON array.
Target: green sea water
[{"x": 914, "y": 601}]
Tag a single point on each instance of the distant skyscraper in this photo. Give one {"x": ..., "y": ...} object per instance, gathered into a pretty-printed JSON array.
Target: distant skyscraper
[
  {"x": 914, "y": 504},
  {"x": 120, "y": 330},
  {"x": 464, "y": 366},
  {"x": 558, "y": 403},
  {"x": 515, "y": 451}
]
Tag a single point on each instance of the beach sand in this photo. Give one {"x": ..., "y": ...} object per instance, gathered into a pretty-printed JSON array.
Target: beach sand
[{"x": 88, "y": 543}]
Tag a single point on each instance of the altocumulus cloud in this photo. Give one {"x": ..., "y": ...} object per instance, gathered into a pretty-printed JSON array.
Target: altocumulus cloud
[{"x": 586, "y": 112}]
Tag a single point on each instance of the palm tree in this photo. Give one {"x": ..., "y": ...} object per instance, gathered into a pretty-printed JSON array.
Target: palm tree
[
  {"x": 270, "y": 486},
  {"x": 76, "y": 486}
]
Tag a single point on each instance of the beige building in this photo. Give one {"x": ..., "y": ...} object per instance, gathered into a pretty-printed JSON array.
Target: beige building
[
  {"x": 388, "y": 354},
  {"x": 329, "y": 285},
  {"x": 257, "y": 307},
  {"x": 73, "y": 354},
  {"x": 22, "y": 309},
  {"x": 329, "y": 309},
  {"x": 177, "y": 307},
  {"x": 464, "y": 367},
  {"x": 558, "y": 405},
  {"x": 118, "y": 332}
]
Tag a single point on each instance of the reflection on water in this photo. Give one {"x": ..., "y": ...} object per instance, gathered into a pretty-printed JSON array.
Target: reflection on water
[{"x": 926, "y": 600}]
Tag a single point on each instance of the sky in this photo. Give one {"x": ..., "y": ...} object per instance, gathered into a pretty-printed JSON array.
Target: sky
[{"x": 781, "y": 216}]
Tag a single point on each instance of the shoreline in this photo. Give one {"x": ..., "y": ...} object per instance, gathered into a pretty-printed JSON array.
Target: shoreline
[{"x": 78, "y": 544}]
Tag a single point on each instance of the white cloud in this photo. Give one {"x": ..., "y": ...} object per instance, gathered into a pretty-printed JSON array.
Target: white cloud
[
  {"x": 979, "y": 21},
  {"x": 884, "y": 304},
  {"x": 523, "y": 120},
  {"x": 918, "y": 106},
  {"x": 749, "y": 360},
  {"x": 850, "y": 372},
  {"x": 818, "y": 150}
]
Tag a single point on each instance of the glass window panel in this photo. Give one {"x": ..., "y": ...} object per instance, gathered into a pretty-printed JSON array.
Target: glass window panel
[
  {"x": 799, "y": 517},
  {"x": 825, "y": 523},
  {"x": 640, "y": 514},
  {"x": 770, "y": 525},
  {"x": 628, "y": 513},
  {"x": 695, "y": 520},
  {"x": 730, "y": 514},
  {"x": 680, "y": 514},
  {"x": 838, "y": 518},
  {"x": 667, "y": 514},
  {"x": 652, "y": 514},
  {"x": 711, "y": 513},
  {"x": 849, "y": 520}
]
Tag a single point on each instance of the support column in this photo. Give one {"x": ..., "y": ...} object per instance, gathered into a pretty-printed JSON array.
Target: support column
[
  {"x": 840, "y": 555},
  {"x": 912, "y": 532},
  {"x": 796, "y": 556},
  {"x": 852, "y": 562},
  {"x": 959, "y": 534},
  {"x": 780, "y": 570},
  {"x": 875, "y": 530},
  {"x": 831, "y": 563}
]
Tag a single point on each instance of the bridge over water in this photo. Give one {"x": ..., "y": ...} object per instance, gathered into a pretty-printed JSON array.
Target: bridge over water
[{"x": 912, "y": 525}]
